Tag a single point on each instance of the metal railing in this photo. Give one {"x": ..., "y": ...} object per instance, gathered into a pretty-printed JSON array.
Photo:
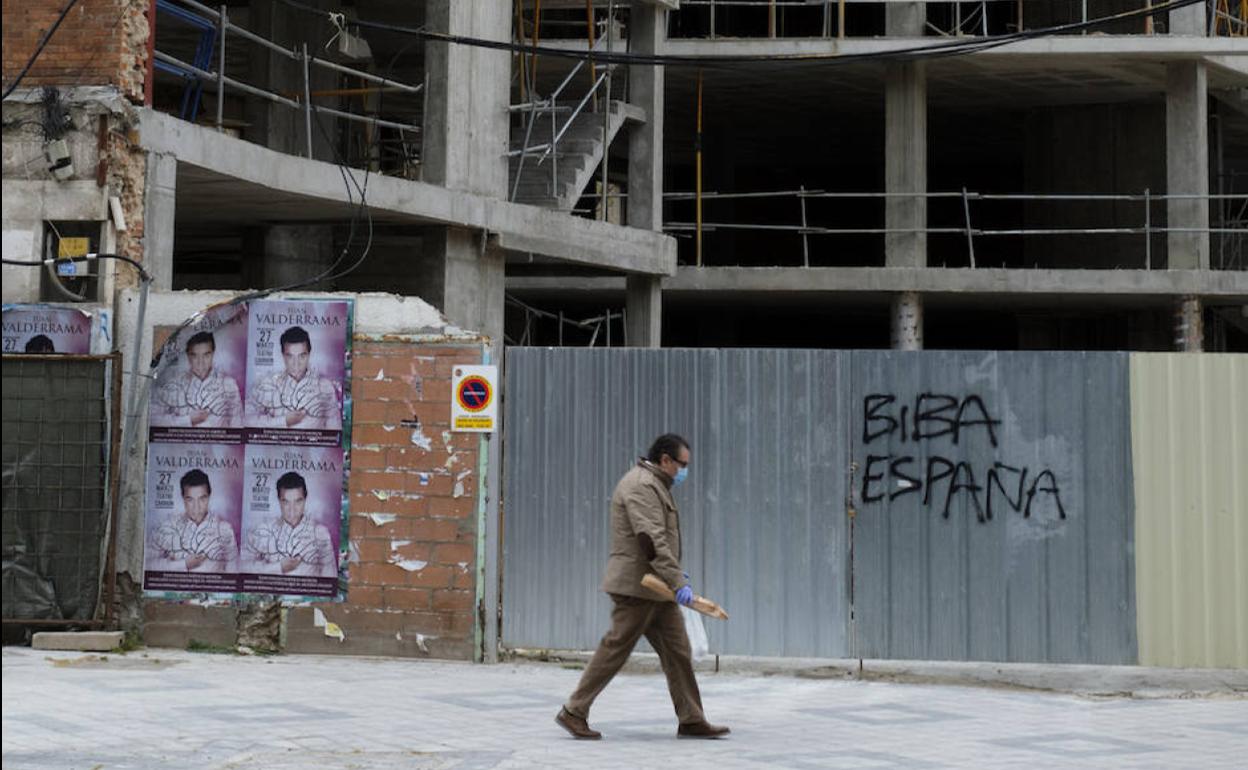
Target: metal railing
[
  {"x": 1230, "y": 18},
  {"x": 597, "y": 327},
  {"x": 1232, "y": 229},
  {"x": 538, "y": 109},
  {"x": 299, "y": 55},
  {"x": 962, "y": 17}
]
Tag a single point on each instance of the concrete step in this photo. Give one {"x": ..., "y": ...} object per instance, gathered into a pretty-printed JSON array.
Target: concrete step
[
  {"x": 82, "y": 641},
  {"x": 544, "y": 202},
  {"x": 540, "y": 190},
  {"x": 566, "y": 161}
]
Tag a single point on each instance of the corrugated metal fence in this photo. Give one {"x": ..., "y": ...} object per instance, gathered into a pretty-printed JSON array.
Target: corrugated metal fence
[
  {"x": 952, "y": 505},
  {"x": 1191, "y": 456},
  {"x": 763, "y": 514}
]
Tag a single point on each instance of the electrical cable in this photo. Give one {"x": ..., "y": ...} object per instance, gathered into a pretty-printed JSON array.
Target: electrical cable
[
  {"x": 361, "y": 209},
  {"x": 143, "y": 274},
  {"x": 381, "y": 95},
  {"x": 936, "y": 50},
  {"x": 43, "y": 43}
]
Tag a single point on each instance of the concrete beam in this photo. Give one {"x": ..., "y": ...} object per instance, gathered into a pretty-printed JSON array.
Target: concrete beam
[
  {"x": 1225, "y": 286},
  {"x": 1187, "y": 162},
  {"x": 301, "y": 183},
  {"x": 1153, "y": 47}
]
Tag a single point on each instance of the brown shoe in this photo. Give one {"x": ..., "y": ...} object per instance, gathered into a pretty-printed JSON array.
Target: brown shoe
[
  {"x": 701, "y": 730},
  {"x": 578, "y": 727}
]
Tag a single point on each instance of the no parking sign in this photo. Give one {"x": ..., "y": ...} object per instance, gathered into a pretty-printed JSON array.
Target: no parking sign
[{"x": 474, "y": 402}]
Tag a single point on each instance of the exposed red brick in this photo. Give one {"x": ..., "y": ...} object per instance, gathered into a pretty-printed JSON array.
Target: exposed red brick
[
  {"x": 383, "y": 390},
  {"x": 397, "y": 598},
  {"x": 437, "y": 391},
  {"x": 462, "y": 623},
  {"x": 365, "y": 596},
  {"x": 373, "y": 549},
  {"x": 407, "y": 505},
  {"x": 432, "y": 576},
  {"x": 454, "y": 553},
  {"x": 434, "y": 530},
  {"x": 466, "y": 579},
  {"x": 368, "y": 459},
  {"x": 377, "y": 574},
  {"x": 453, "y": 507},
  {"x": 453, "y": 599},
  {"x": 429, "y": 484},
  {"x": 363, "y": 412}
]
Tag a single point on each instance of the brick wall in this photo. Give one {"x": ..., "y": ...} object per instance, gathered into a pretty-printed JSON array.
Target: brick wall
[
  {"x": 411, "y": 589},
  {"x": 101, "y": 42}
]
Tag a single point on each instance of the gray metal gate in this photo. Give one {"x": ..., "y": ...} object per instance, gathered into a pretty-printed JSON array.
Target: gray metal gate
[{"x": 808, "y": 499}]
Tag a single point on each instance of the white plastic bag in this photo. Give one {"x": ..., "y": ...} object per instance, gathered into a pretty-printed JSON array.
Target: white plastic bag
[{"x": 696, "y": 633}]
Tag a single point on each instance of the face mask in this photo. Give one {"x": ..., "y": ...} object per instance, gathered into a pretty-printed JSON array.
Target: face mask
[{"x": 680, "y": 477}]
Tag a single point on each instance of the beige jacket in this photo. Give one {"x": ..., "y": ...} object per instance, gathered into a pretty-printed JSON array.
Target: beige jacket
[{"x": 645, "y": 532}]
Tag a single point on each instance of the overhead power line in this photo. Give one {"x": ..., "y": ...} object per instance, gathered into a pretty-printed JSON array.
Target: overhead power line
[{"x": 935, "y": 50}]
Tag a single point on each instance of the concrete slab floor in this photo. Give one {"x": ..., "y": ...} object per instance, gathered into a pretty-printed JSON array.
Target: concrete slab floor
[{"x": 164, "y": 708}]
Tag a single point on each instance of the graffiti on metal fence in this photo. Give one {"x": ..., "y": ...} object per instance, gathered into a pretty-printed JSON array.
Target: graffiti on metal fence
[{"x": 987, "y": 485}]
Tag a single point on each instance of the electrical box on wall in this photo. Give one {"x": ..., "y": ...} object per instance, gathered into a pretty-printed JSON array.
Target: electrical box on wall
[{"x": 67, "y": 280}]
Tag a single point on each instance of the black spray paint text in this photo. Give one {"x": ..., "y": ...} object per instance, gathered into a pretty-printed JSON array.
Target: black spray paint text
[{"x": 943, "y": 416}]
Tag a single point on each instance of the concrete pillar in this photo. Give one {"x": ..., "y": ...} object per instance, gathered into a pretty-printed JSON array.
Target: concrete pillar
[
  {"x": 1189, "y": 325},
  {"x": 467, "y": 277},
  {"x": 905, "y": 163},
  {"x": 645, "y": 142},
  {"x": 643, "y": 310},
  {"x": 159, "y": 201},
  {"x": 1190, "y": 20},
  {"x": 465, "y": 141},
  {"x": 905, "y": 19},
  {"x": 643, "y": 295},
  {"x": 907, "y": 321},
  {"x": 1187, "y": 162},
  {"x": 297, "y": 253},
  {"x": 465, "y": 269}
]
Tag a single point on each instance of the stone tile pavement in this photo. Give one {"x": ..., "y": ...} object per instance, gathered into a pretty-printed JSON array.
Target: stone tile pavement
[{"x": 175, "y": 709}]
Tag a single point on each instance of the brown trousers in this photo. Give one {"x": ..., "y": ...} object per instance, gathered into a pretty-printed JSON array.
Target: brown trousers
[{"x": 664, "y": 628}]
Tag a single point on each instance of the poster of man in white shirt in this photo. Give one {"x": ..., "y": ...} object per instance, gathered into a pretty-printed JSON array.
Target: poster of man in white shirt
[
  {"x": 194, "y": 501},
  {"x": 292, "y": 523},
  {"x": 198, "y": 394},
  {"x": 296, "y": 366}
]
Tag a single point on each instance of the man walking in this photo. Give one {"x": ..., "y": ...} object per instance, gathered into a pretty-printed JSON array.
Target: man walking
[{"x": 645, "y": 537}]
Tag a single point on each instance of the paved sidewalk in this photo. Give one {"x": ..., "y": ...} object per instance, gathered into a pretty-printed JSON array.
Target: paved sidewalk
[{"x": 173, "y": 709}]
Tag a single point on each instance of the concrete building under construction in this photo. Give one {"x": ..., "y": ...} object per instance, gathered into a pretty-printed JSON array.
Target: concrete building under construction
[{"x": 849, "y": 173}]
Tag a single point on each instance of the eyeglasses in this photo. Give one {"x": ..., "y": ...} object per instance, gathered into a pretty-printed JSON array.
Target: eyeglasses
[{"x": 684, "y": 464}]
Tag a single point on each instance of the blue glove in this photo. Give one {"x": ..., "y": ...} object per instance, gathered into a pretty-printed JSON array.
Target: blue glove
[{"x": 684, "y": 596}]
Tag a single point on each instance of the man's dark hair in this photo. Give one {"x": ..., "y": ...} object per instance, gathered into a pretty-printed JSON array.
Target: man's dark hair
[
  {"x": 293, "y": 336},
  {"x": 668, "y": 444},
  {"x": 40, "y": 343},
  {"x": 199, "y": 338},
  {"x": 195, "y": 478},
  {"x": 291, "y": 480}
]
